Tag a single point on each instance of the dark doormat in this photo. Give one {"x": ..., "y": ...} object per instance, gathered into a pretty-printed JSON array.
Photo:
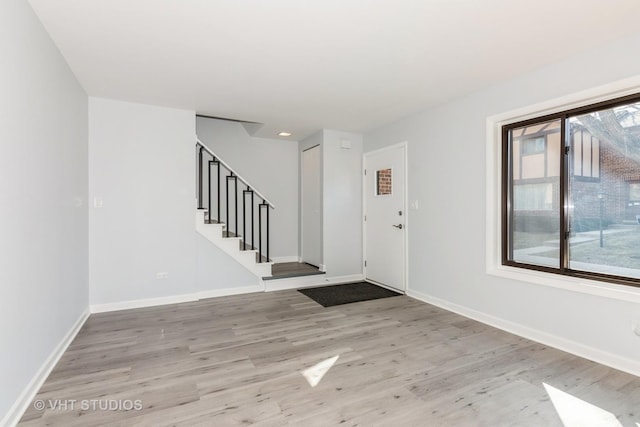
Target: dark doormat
[{"x": 328, "y": 296}]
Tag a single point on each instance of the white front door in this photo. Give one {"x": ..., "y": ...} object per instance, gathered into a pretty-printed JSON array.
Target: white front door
[
  {"x": 385, "y": 216},
  {"x": 311, "y": 207}
]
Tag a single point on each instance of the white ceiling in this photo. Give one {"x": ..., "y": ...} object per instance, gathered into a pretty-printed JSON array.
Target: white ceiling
[{"x": 303, "y": 65}]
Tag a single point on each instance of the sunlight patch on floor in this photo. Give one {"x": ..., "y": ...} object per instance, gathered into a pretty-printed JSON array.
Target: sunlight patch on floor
[
  {"x": 315, "y": 373},
  {"x": 576, "y": 412}
]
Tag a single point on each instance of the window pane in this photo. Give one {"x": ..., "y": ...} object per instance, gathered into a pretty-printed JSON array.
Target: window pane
[
  {"x": 533, "y": 145},
  {"x": 534, "y": 194},
  {"x": 383, "y": 182},
  {"x": 604, "y": 192},
  {"x": 533, "y": 197}
]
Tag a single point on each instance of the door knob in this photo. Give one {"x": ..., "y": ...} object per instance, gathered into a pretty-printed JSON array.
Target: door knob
[{"x": 398, "y": 226}]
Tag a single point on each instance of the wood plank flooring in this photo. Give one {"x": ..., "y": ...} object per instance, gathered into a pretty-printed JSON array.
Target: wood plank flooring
[{"x": 239, "y": 361}]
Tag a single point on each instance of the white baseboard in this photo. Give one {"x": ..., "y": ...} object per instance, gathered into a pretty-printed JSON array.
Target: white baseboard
[
  {"x": 264, "y": 286},
  {"x": 214, "y": 293},
  {"x": 24, "y": 400},
  {"x": 279, "y": 259},
  {"x": 308, "y": 281},
  {"x": 581, "y": 350},
  {"x": 140, "y": 303},
  {"x": 177, "y": 299},
  {"x": 382, "y": 285}
]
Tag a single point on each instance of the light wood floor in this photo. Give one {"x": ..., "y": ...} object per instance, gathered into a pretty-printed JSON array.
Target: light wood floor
[{"x": 238, "y": 361}]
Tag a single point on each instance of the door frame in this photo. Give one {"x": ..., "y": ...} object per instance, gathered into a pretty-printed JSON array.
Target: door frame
[{"x": 405, "y": 267}]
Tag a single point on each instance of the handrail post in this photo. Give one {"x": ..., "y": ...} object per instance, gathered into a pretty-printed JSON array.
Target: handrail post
[
  {"x": 235, "y": 210},
  {"x": 244, "y": 219},
  {"x": 232, "y": 177},
  {"x": 227, "y": 204},
  {"x": 253, "y": 244},
  {"x": 260, "y": 232},
  {"x": 260, "y": 206},
  {"x": 200, "y": 206},
  {"x": 209, "y": 189},
  {"x": 218, "y": 218}
]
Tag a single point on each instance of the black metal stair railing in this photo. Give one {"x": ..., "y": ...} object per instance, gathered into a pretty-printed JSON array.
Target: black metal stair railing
[{"x": 210, "y": 194}]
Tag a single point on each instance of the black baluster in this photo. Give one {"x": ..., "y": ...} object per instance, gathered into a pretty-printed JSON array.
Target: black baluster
[
  {"x": 209, "y": 189},
  {"x": 227, "y": 204},
  {"x": 235, "y": 210},
  {"x": 218, "y": 164},
  {"x": 267, "y": 206},
  {"x": 200, "y": 206},
  {"x": 244, "y": 219},
  {"x": 253, "y": 244},
  {"x": 260, "y": 233}
]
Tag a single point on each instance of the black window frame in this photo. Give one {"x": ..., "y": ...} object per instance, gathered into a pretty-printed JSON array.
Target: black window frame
[{"x": 565, "y": 158}]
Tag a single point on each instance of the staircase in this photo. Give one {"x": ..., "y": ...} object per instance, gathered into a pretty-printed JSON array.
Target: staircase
[{"x": 232, "y": 214}]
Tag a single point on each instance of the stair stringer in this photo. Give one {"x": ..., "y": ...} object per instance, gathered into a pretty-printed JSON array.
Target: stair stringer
[{"x": 231, "y": 246}]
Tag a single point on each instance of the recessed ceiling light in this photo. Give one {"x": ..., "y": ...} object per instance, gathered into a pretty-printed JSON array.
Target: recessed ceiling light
[{"x": 284, "y": 134}]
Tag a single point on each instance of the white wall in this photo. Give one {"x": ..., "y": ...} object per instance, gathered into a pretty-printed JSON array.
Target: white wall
[
  {"x": 43, "y": 194},
  {"x": 447, "y": 235},
  {"x": 216, "y": 271},
  {"x": 341, "y": 200},
  {"x": 342, "y": 204},
  {"x": 141, "y": 164},
  {"x": 270, "y": 166},
  {"x": 309, "y": 142}
]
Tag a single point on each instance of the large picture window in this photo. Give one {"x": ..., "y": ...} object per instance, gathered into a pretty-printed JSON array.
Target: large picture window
[{"x": 571, "y": 192}]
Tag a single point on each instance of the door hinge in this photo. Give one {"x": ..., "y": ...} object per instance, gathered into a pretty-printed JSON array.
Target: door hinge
[
  {"x": 365, "y": 171},
  {"x": 365, "y": 263},
  {"x": 567, "y": 149},
  {"x": 365, "y": 217}
]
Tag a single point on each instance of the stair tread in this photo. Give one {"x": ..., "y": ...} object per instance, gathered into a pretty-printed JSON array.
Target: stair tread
[
  {"x": 290, "y": 275},
  {"x": 285, "y": 270},
  {"x": 213, "y": 221},
  {"x": 246, "y": 246}
]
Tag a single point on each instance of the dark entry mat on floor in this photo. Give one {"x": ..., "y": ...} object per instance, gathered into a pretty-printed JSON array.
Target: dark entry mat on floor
[{"x": 328, "y": 296}]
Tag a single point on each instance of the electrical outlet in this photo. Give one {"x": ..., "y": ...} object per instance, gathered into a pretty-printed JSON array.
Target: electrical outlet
[
  {"x": 162, "y": 275},
  {"x": 97, "y": 202}
]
